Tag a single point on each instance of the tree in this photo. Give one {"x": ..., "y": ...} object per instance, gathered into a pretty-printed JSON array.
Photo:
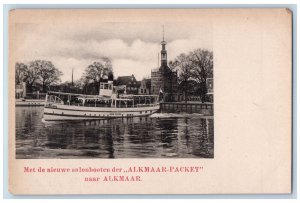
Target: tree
[
  {"x": 79, "y": 84},
  {"x": 96, "y": 72},
  {"x": 110, "y": 75},
  {"x": 31, "y": 75},
  {"x": 202, "y": 69},
  {"x": 184, "y": 65},
  {"x": 20, "y": 72},
  {"x": 47, "y": 73}
]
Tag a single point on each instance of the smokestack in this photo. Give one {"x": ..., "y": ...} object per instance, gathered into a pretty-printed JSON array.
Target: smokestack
[{"x": 72, "y": 77}]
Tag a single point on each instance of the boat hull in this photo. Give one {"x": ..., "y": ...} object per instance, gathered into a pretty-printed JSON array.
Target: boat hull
[{"x": 59, "y": 112}]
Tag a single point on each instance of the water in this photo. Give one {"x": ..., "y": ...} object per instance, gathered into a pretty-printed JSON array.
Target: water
[{"x": 158, "y": 136}]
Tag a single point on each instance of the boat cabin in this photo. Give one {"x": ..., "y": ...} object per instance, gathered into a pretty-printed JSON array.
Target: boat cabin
[
  {"x": 106, "y": 98},
  {"x": 106, "y": 89}
]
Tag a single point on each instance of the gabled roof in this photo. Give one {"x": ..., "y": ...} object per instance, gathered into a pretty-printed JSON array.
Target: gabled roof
[{"x": 124, "y": 80}]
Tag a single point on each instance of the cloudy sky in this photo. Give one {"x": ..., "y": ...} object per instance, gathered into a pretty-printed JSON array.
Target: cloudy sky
[{"x": 132, "y": 47}]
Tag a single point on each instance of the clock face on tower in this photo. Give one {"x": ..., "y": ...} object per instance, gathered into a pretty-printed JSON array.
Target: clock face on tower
[{"x": 164, "y": 56}]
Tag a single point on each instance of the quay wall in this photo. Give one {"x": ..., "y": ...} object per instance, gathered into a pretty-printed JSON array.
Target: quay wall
[
  {"x": 30, "y": 102},
  {"x": 181, "y": 107}
]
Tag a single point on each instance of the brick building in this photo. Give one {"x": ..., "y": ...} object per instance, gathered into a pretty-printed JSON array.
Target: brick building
[
  {"x": 131, "y": 84},
  {"x": 144, "y": 86},
  {"x": 164, "y": 79},
  {"x": 210, "y": 89}
]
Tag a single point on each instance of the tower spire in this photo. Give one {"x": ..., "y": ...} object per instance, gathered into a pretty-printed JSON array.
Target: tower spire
[{"x": 163, "y": 49}]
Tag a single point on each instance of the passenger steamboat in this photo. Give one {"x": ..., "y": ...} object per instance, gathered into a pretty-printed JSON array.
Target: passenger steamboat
[{"x": 61, "y": 106}]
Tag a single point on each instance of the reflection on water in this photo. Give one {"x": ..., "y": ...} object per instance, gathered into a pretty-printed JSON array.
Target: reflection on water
[{"x": 189, "y": 136}]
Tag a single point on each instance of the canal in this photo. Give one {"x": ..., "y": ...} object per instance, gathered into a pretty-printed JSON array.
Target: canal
[{"x": 162, "y": 135}]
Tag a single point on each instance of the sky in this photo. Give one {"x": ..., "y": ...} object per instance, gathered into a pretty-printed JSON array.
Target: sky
[{"x": 132, "y": 47}]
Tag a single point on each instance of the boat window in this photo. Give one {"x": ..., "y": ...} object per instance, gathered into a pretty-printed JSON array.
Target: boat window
[
  {"x": 105, "y": 86},
  {"x": 101, "y": 86}
]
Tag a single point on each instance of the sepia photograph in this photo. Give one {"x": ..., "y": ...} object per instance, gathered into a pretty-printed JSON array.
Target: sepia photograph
[
  {"x": 149, "y": 101},
  {"x": 114, "y": 90}
]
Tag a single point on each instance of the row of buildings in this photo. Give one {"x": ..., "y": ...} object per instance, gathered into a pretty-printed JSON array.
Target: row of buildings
[{"x": 163, "y": 82}]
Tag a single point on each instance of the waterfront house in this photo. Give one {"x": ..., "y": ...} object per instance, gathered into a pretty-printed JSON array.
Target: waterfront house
[
  {"x": 144, "y": 86},
  {"x": 130, "y": 82}
]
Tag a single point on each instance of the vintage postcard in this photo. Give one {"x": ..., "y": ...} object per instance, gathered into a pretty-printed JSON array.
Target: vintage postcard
[{"x": 150, "y": 101}]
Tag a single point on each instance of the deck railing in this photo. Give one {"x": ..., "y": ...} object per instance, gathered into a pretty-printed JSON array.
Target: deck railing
[{"x": 107, "y": 105}]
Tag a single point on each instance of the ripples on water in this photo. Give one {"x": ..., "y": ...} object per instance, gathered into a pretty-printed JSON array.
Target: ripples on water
[{"x": 158, "y": 136}]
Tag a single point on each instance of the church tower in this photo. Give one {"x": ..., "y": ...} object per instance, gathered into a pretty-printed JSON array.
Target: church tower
[
  {"x": 163, "y": 53},
  {"x": 164, "y": 79}
]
